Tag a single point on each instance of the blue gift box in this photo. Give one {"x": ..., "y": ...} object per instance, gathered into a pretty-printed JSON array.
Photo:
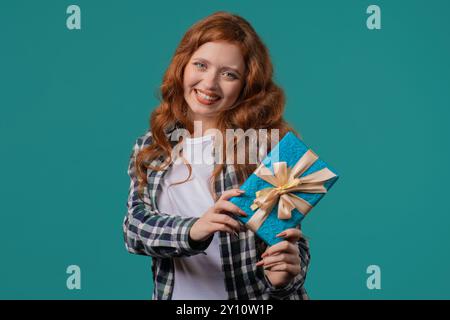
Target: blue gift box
[{"x": 286, "y": 153}]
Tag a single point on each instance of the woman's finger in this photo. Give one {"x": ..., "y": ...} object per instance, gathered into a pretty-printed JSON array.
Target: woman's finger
[
  {"x": 281, "y": 257},
  {"x": 222, "y": 227},
  {"x": 224, "y": 205},
  {"x": 291, "y": 234},
  {"x": 231, "y": 193},
  {"x": 226, "y": 219},
  {"x": 290, "y": 268},
  {"x": 285, "y": 246}
]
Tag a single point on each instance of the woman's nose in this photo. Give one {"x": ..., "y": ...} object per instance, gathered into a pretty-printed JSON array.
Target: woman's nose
[{"x": 210, "y": 80}]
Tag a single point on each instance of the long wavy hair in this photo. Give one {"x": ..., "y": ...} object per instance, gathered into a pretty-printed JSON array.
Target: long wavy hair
[{"x": 260, "y": 104}]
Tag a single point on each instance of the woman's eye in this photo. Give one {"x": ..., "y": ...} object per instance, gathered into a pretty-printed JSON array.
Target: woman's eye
[
  {"x": 230, "y": 75},
  {"x": 199, "y": 65}
]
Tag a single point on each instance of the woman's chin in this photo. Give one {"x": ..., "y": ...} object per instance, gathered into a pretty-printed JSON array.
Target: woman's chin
[{"x": 204, "y": 111}]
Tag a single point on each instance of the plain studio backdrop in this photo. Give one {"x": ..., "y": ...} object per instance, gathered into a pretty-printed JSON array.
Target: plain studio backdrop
[{"x": 375, "y": 104}]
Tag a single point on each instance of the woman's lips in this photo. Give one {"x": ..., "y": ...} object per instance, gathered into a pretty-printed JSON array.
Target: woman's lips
[{"x": 203, "y": 100}]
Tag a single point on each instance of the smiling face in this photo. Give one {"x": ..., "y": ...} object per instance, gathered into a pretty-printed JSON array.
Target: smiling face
[{"x": 213, "y": 79}]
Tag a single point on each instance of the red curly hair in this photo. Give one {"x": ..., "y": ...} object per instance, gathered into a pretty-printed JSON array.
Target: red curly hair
[{"x": 260, "y": 104}]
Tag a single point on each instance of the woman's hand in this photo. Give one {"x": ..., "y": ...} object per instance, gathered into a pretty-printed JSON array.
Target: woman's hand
[
  {"x": 217, "y": 219},
  {"x": 282, "y": 260}
]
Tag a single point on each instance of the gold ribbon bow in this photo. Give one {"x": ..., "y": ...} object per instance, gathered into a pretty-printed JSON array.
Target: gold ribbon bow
[{"x": 285, "y": 181}]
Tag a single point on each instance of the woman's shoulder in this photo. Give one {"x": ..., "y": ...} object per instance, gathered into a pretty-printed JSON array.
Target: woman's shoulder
[
  {"x": 147, "y": 138},
  {"x": 143, "y": 140}
]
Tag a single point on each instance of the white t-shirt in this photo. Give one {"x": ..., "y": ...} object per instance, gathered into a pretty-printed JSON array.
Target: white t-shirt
[{"x": 199, "y": 276}]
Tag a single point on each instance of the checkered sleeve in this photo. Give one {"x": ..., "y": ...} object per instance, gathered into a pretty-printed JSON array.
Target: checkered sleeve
[
  {"x": 295, "y": 289},
  {"x": 150, "y": 232}
]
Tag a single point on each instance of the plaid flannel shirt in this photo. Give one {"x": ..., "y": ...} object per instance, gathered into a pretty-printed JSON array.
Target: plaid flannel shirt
[{"x": 161, "y": 235}]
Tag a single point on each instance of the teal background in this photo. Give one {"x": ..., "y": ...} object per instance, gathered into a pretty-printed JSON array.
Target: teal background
[{"x": 373, "y": 103}]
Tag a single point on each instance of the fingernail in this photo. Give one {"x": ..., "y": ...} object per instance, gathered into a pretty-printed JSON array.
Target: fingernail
[
  {"x": 260, "y": 262},
  {"x": 264, "y": 255},
  {"x": 241, "y": 191},
  {"x": 281, "y": 234},
  {"x": 243, "y": 212}
]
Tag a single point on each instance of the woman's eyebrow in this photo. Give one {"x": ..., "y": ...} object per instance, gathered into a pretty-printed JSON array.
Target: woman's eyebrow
[{"x": 226, "y": 67}]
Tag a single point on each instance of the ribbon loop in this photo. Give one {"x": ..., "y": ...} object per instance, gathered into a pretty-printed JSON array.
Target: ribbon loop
[{"x": 285, "y": 181}]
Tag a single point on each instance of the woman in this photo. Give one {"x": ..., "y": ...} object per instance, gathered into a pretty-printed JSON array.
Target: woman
[{"x": 178, "y": 213}]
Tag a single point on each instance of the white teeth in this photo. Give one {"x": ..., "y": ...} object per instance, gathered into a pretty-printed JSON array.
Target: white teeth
[{"x": 204, "y": 96}]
